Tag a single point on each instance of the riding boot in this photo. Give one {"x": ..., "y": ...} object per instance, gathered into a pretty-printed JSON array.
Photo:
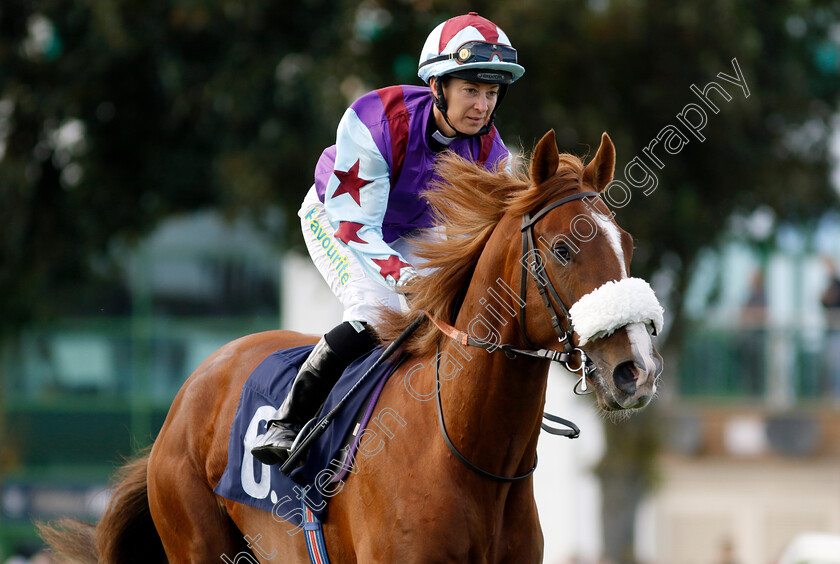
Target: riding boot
[{"x": 312, "y": 385}]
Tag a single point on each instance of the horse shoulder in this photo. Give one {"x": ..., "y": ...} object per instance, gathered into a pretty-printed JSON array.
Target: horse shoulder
[
  {"x": 397, "y": 486},
  {"x": 410, "y": 482}
]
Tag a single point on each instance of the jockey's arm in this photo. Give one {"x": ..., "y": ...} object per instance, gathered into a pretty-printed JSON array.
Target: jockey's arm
[{"x": 356, "y": 200}]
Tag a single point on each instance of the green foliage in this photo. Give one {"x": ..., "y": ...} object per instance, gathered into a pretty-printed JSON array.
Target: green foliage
[
  {"x": 184, "y": 104},
  {"x": 181, "y": 105}
]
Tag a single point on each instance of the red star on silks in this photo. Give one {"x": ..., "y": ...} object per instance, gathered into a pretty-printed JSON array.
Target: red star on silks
[
  {"x": 391, "y": 265},
  {"x": 349, "y": 182},
  {"x": 349, "y": 231}
]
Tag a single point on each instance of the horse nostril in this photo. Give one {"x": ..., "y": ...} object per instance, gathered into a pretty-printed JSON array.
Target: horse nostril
[{"x": 625, "y": 377}]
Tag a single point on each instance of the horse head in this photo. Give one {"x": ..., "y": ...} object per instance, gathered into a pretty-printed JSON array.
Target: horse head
[{"x": 581, "y": 253}]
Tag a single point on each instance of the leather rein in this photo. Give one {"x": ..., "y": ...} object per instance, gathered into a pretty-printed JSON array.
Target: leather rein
[{"x": 564, "y": 336}]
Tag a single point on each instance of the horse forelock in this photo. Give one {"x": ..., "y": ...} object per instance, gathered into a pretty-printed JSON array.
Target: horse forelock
[{"x": 468, "y": 201}]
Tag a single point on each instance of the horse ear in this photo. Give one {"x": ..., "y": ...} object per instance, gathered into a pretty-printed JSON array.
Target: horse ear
[
  {"x": 545, "y": 161},
  {"x": 599, "y": 172}
]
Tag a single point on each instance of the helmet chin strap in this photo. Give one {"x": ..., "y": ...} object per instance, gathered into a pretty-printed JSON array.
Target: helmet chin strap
[{"x": 440, "y": 103}]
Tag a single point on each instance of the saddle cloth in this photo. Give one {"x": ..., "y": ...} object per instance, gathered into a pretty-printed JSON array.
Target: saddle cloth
[{"x": 246, "y": 480}]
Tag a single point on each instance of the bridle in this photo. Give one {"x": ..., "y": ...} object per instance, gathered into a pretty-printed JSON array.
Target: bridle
[
  {"x": 545, "y": 288},
  {"x": 564, "y": 334}
]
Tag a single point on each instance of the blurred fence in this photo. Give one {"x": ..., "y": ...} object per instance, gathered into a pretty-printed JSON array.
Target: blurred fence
[
  {"x": 777, "y": 365},
  {"x": 83, "y": 379}
]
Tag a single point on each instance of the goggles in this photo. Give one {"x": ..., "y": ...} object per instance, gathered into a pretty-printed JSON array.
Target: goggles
[{"x": 478, "y": 52}]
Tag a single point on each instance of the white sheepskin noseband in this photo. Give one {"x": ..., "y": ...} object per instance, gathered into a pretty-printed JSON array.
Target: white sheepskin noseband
[{"x": 614, "y": 305}]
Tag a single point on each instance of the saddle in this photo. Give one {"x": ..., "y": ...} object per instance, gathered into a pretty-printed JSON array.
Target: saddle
[{"x": 246, "y": 480}]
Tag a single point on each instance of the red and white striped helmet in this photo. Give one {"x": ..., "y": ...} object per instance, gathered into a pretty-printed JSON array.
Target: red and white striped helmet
[{"x": 469, "y": 42}]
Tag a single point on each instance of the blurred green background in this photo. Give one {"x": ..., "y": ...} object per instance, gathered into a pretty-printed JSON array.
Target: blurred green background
[{"x": 153, "y": 155}]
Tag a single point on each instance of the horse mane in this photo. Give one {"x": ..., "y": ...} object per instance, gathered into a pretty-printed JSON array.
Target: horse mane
[{"x": 467, "y": 202}]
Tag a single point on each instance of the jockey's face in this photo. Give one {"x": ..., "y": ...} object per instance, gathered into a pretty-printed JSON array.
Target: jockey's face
[{"x": 469, "y": 105}]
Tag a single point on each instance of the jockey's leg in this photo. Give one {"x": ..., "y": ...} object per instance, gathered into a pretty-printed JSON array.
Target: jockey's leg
[
  {"x": 362, "y": 298},
  {"x": 317, "y": 376}
]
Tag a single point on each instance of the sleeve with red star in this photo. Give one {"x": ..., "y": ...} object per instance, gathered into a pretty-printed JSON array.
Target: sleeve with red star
[{"x": 356, "y": 200}]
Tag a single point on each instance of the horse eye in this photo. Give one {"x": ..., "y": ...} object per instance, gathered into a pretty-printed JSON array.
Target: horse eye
[{"x": 562, "y": 251}]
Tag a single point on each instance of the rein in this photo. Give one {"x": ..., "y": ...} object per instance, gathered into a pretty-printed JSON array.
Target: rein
[
  {"x": 456, "y": 452},
  {"x": 464, "y": 339},
  {"x": 564, "y": 336}
]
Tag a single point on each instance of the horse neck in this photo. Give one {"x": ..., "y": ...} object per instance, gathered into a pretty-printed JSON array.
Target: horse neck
[{"x": 493, "y": 405}]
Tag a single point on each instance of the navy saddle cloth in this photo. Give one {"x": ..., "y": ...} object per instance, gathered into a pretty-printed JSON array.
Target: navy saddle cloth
[{"x": 246, "y": 480}]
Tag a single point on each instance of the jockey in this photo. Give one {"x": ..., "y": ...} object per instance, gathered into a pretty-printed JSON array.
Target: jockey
[{"x": 367, "y": 196}]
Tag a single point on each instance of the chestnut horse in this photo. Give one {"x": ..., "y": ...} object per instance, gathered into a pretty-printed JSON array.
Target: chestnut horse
[{"x": 416, "y": 500}]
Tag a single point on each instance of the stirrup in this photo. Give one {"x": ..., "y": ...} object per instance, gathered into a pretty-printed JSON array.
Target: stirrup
[
  {"x": 303, "y": 433},
  {"x": 274, "y": 452}
]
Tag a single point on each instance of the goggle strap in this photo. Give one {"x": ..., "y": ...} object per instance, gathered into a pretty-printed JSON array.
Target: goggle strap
[
  {"x": 455, "y": 56},
  {"x": 435, "y": 60}
]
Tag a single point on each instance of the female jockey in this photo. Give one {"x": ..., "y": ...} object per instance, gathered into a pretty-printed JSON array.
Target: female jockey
[{"x": 366, "y": 197}]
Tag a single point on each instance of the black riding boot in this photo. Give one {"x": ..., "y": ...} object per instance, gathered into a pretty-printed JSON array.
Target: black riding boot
[{"x": 312, "y": 385}]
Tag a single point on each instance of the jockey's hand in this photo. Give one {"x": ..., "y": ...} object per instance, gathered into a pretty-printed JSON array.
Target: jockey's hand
[
  {"x": 404, "y": 306},
  {"x": 401, "y": 289},
  {"x": 407, "y": 276}
]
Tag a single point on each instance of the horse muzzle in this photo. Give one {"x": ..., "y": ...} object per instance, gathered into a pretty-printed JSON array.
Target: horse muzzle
[
  {"x": 617, "y": 321},
  {"x": 634, "y": 382},
  {"x": 628, "y": 368}
]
